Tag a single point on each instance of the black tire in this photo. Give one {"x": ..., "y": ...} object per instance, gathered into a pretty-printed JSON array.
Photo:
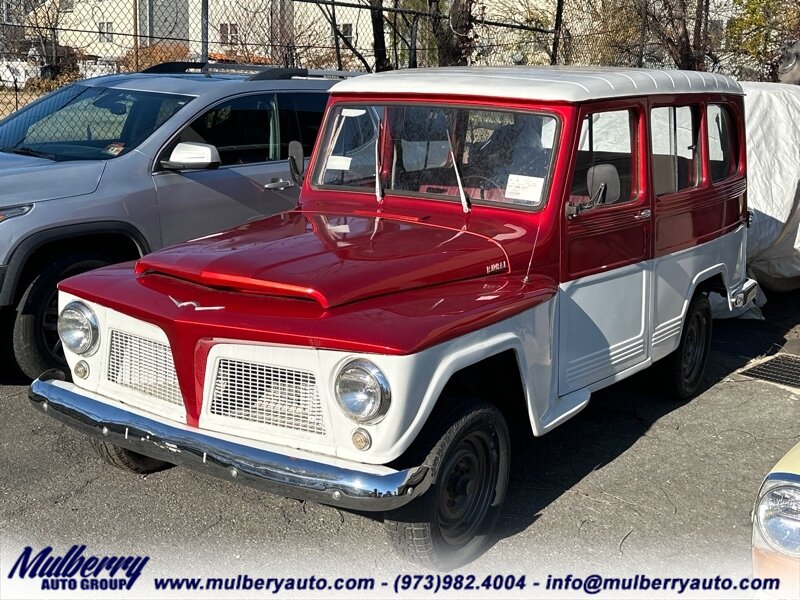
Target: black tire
[
  {"x": 452, "y": 523},
  {"x": 10, "y": 372},
  {"x": 128, "y": 460},
  {"x": 37, "y": 347},
  {"x": 684, "y": 368}
]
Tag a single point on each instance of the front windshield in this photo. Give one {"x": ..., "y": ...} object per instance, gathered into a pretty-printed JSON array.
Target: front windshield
[
  {"x": 497, "y": 156},
  {"x": 87, "y": 123}
]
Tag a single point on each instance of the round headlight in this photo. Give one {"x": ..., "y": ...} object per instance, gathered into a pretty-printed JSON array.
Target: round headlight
[
  {"x": 362, "y": 391},
  {"x": 77, "y": 328},
  {"x": 778, "y": 517}
]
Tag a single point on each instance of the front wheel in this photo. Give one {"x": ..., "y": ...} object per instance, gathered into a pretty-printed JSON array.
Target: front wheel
[
  {"x": 452, "y": 523},
  {"x": 685, "y": 367},
  {"x": 127, "y": 460},
  {"x": 37, "y": 347}
]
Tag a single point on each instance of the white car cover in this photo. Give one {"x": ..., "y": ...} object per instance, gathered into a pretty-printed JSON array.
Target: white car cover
[{"x": 772, "y": 117}]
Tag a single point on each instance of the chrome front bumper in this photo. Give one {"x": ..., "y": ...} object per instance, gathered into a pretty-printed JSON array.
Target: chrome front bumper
[{"x": 274, "y": 472}]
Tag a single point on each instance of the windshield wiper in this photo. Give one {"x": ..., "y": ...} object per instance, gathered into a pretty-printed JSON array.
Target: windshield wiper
[
  {"x": 465, "y": 203},
  {"x": 378, "y": 189},
  {"x": 27, "y": 151}
]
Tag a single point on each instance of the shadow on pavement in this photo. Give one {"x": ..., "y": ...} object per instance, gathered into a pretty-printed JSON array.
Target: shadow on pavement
[{"x": 543, "y": 469}]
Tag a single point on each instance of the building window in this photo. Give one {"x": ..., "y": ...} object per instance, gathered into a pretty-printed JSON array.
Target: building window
[
  {"x": 66, "y": 5},
  {"x": 346, "y": 32},
  {"x": 105, "y": 31},
  {"x": 229, "y": 34}
]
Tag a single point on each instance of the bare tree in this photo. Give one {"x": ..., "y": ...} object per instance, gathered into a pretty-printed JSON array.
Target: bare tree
[
  {"x": 680, "y": 26},
  {"x": 379, "y": 36},
  {"x": 43, "y": 22},
  {"x": 453, "y": 31},
  {"x": 525, "y": 47}
]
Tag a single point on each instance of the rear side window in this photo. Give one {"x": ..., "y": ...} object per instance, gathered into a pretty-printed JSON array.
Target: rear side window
[
  {"x": 300, "y": 117},
  {"x": 243, "y": 130},
  {"x": 722, "y": 142},
  {"x": 607, "y": 143},
  {"x": 674, "y": 132}
]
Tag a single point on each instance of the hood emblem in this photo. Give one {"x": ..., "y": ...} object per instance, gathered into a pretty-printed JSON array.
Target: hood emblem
[{"x": 194, "y": 305}]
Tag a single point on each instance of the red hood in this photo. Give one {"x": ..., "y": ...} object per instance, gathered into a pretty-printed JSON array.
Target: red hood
[{"x": 331, "y": 258}]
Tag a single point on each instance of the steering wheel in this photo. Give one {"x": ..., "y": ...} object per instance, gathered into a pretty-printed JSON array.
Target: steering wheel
[{"x": 485, "y": 184}]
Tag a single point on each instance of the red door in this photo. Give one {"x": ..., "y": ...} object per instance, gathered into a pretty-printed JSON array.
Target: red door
[{"x": 604, "y": 302}]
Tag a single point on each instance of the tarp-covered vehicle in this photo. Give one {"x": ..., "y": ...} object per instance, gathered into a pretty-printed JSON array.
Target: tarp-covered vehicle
[{"x": 773, "y": 158}]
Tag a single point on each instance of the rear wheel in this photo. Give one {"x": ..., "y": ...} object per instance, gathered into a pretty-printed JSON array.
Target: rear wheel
[
  {"x": 37, "y": 347},
  {"x": 128, "y": 460},
  {"x": 686, "y": 366},
  {"x": 452, "y": 523}
]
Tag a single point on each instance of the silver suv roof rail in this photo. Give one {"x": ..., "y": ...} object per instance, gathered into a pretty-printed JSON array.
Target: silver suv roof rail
[
  {"x": 175, "y": 67},
  {"x": 259, "y": 72}
]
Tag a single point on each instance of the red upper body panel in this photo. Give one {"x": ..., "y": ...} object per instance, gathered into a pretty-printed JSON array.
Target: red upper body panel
[{"x": 332, "y": 259}]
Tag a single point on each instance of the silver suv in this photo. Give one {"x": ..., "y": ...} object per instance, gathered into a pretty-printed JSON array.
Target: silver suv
[{"x": 108, "y": 169}]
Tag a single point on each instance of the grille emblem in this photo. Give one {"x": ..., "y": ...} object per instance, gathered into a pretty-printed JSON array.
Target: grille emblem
[{"x": 194, "y": 305}]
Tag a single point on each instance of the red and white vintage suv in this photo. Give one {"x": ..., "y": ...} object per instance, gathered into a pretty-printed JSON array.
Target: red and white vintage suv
[{"x": 473, "y": 247}]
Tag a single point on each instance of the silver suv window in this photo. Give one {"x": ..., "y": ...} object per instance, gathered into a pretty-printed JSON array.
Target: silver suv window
[
  {"x": 88, "y": 123},
  {"x": 256, "y": 128}
]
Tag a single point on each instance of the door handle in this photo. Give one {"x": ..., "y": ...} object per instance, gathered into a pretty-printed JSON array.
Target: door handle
[
  {"x": 643, "y": 214},
  {"x": 278, "y": 184}
]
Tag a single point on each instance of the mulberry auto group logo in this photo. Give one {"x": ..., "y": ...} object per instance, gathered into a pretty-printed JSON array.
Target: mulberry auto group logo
[{"x": 77, "y": 570}]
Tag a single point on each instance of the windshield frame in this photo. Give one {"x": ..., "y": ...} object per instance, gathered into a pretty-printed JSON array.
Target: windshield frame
[{"x": 324, "y": 150}]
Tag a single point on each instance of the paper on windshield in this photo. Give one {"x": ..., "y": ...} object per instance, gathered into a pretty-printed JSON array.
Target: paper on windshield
[
  {"x": 338, "y": 163},
  {"x": 524, "y": 188}
]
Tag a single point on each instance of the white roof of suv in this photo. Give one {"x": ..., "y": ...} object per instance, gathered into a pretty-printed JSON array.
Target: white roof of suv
[{"x": 566, "y": 84}]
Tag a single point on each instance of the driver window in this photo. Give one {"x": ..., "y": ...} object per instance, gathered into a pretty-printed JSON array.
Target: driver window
[
  {"x": 606, "y": 143},
  {"x": 243, "y": 130}
]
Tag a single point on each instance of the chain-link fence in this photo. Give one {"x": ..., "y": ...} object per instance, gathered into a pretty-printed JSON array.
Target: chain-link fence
[{"x": 45, "y": 43}]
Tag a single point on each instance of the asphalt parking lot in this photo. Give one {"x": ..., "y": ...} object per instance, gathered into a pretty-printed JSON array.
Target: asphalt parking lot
[{"x": 635, "y": 483}]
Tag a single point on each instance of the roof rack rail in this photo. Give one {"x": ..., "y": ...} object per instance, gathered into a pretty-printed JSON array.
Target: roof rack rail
[
  {"x": 288, "y": 73},
  {"x": 175, "y": 67},
  {"x": 259, "y": 72},
  {"x": 278, "y": 73}
]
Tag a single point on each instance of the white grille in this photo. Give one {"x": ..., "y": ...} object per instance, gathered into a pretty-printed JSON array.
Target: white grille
[
  {"x": 266, "y": 394},
  {"x": 143, "y": 365}
]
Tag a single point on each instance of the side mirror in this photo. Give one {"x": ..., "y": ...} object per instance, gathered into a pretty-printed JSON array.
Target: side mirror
[
  {"x": 191, "y": 155},
  {"x": 296, "y": 162},
  {"x": 602, "y": 182}
]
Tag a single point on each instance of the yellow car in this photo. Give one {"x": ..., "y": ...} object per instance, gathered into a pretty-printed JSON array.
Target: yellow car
[{"x": 776, "y": 525}]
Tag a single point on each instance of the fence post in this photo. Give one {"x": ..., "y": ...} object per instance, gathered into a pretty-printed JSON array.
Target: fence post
[
  {"x": 204, "y": 31},
  {"x": 557, "y": 31},
  {"x": 135, "y": 35}
]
